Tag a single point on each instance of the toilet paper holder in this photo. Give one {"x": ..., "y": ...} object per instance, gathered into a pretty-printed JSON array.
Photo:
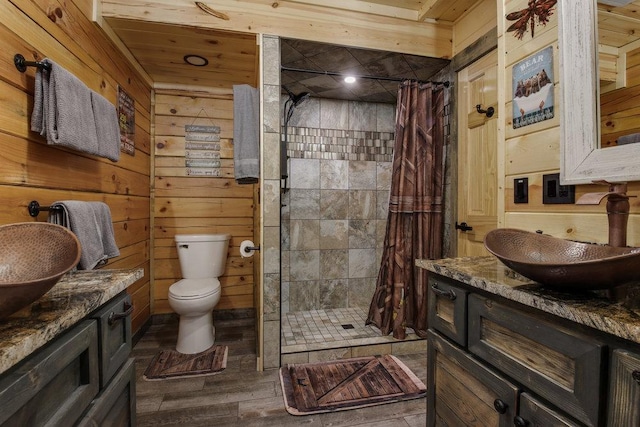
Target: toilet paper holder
[{"x": 248, "y": 249}]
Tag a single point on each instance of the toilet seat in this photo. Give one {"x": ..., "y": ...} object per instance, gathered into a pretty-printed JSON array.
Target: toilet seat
[{"x": 188, "y": 289}]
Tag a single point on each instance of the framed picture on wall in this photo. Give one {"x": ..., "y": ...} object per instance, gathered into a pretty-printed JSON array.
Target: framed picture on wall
[
  {"x": 127, "y": 122},
  {"x": 533, "y": 89}
]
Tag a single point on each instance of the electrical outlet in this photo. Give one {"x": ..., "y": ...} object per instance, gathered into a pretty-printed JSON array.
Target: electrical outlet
[{"x": 554, "y": 193}]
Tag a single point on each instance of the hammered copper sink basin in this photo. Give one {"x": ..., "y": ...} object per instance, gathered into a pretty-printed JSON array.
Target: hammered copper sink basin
[
  {"x": 33, "y": 257},
  {"x": 563, "y": 263}
]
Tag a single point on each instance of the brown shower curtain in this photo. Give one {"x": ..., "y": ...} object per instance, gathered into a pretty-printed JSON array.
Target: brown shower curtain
[{"x": 414, "y": 223}]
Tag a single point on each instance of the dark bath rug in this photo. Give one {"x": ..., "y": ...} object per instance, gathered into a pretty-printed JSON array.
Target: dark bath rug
[
  {"x": 171, "y": 364},
  {"x": 338, "y": 385}
]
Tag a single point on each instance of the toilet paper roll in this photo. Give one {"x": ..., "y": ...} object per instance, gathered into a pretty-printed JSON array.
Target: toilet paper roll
[{"x": 244, "y": 251}]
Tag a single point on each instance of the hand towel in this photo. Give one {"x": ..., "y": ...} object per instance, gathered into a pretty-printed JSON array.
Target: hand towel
[
  {"x": 91, "y": 223},
  {"x": 629, "y": 139},
  {"x": 246, "y": 135},
  {"x": 62, "y": 110},
  {"x": 107, "y": 127}
]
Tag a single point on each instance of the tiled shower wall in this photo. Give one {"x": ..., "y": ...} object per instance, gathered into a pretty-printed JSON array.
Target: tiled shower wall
[{"x": 335, "y": 210}]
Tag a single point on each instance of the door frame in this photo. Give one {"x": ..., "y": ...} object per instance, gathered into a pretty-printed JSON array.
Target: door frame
[{"x": 470, "y": 54}]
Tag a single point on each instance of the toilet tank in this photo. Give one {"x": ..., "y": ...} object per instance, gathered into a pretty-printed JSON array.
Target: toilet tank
[{"x": 202, "y": 255}]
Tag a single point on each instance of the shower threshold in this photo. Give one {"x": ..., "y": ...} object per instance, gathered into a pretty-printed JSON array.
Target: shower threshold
[{"x": 314, "y": 330}]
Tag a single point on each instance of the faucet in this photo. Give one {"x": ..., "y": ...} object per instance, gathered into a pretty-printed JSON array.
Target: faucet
[{"x": 617, "y": 209}]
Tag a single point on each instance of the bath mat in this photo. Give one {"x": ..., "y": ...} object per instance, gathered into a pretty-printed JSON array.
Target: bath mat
[
  {"x": 311, "y": 388},
  {"x": 171, "y": 364}
]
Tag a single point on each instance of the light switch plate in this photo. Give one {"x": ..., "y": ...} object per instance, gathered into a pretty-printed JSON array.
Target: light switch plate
[{"x": 521, "y": 190}]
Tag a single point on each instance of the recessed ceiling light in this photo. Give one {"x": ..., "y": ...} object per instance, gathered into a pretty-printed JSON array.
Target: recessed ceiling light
[
  {"x": 349, "y": 79},
  {"x": 196, "y": 60}
]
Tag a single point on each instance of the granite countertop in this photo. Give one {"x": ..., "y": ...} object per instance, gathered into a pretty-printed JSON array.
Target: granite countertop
[
  {"x": 70, "y": 300},
  {"x": 590, "y": 309}
]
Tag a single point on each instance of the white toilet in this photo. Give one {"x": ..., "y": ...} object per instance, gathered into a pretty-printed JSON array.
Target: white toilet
[{"x": 202, "y": 261}]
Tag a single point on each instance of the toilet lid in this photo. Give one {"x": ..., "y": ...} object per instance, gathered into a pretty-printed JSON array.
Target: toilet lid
[{"x": 194, "y": 288}]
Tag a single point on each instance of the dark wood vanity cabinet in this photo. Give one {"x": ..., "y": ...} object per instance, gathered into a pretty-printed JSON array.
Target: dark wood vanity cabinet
[
  {"x": 624, "y": 389},
  {"x": 552, "y": 361},
  {"x": 463, "y": 391},
  {"x": 83, "y": 377},
  {"x": 521, "y": 367}
]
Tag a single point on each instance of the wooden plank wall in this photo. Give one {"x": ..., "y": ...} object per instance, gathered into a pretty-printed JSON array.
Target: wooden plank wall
[
  {"x": 620, "y": 108},
  {"x": 193, "y": 204},
  {"x": 32, "y": 170},
  {"x": 532, "y": 151},
  {"x": 477, "y": 21}
]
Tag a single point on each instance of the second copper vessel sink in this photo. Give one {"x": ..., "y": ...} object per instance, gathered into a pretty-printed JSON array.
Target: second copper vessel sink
[
  {"x": 33, "y": 257},
  {"x": 563, "y": 263}
]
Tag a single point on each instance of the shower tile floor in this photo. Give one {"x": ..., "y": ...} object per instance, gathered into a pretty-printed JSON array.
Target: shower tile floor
[{"x": 312, "y": 330}]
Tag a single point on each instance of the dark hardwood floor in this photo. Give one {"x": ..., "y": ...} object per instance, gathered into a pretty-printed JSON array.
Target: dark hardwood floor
[{"x": 241, "y": 396}]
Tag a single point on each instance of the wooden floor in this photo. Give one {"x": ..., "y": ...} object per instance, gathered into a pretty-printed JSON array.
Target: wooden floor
[{"x": 240, "y": 396}]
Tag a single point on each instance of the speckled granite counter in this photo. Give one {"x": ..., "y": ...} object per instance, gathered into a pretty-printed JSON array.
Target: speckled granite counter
[
  {"x": 75, "y": 296},
  {"x": 490, "y": 275}
]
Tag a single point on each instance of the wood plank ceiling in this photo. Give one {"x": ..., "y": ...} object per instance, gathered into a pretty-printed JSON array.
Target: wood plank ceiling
[
  {"x": 160, "y": 48},
  {"x": 233, "y": 56},
  {"x": 619, "y": 26}
]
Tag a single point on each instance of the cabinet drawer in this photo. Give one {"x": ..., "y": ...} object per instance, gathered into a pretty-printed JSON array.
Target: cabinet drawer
[
  {"x": 552, "y": 361},
  {"x": 464, "y": 392},
  {"x": 114, "y": 332},
  {"x": 624, "y": 389},
  {"x": 535, "y": 414},
  {"x": 116, "y": 405},
  {"x": 448, "y": 309},
  {"x": 56, "y": 385}
]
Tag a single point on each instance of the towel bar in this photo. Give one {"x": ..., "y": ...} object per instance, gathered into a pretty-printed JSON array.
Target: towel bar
[
  {"x": 22, "y": 64},
  {"x": 35, "y": 208}
]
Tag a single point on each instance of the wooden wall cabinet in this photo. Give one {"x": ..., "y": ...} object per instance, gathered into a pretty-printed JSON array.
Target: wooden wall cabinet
[
  {"x": 524, "y": 368},
  {"x": 83, "y": 377}
]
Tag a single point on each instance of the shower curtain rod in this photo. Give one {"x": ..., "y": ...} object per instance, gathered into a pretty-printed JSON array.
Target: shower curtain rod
[{"x": 333, "y": 73}]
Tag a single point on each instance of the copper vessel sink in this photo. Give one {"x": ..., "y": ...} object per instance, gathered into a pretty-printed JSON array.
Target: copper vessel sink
[
  {"x": 33, "y": 257},
  {"x": 563, "y": 263}
]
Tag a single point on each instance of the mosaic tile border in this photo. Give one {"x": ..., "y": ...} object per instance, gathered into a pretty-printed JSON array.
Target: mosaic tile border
[{"x": 334, "y": 144}]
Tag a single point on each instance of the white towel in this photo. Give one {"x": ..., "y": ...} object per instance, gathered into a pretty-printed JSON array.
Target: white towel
[
  {"x": 107, "y": 127},
  {"x": 91, "y": 223},
  {"x": 62, "y": 110},
  {"x": 629, "y": 139},
  {"x": 246, "y": 134}
]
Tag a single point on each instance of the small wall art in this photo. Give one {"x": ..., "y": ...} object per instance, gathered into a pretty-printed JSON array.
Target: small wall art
[{"x": 533, "y": 89}]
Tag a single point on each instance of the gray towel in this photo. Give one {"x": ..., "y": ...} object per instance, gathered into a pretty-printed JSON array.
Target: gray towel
[
  {"x": 107, "y": 127},
  {"x": 91, "y": 223},
  {"x": 62, "y": 110},
  {"x": 629, "y": 139},
  {"x": 246, "y": 135}
]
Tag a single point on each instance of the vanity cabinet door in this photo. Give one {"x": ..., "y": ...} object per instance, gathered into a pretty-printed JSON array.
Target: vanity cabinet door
[
  {"x": 533, "y": 413},
  {"x": 55, "y": 386},
  {"x": 114, "y": 332},
  {"x": 115, "y": 406},
  {"x": 624, "y": 389},
  {"x": 557, "y": 363},
  {"x": 464, "y": 392},
  {"x": 448, "y": 309}
]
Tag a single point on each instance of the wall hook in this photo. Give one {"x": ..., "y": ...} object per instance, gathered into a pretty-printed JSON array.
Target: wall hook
[{"x": 489, "y": 111}]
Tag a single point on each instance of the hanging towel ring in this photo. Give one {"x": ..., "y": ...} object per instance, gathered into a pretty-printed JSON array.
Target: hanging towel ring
[{"x": 488, "y": 112}]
